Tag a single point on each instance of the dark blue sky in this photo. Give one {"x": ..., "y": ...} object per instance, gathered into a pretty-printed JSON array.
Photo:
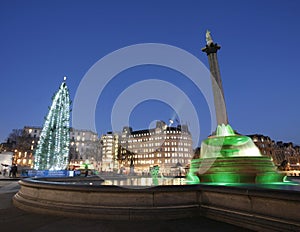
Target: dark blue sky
[{"x": 42, "y": 41}]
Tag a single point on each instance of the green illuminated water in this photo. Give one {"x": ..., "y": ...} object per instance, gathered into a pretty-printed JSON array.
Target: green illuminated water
[
  {"x": 228, "y": 144},
  {"x": 231, "y": 158}
]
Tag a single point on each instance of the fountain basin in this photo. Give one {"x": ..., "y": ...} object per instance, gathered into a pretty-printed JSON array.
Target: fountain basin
[
  {"x": 57, "y": 196},
  {"x": 256, "y": 169},
  {"x": 258, "y": 207}
]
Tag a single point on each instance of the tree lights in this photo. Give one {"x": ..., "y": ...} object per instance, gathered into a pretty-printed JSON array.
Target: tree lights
[{"x": 53, "y": 147}]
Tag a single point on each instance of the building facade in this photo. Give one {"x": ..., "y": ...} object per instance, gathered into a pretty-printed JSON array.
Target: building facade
[
  {"x": 109, "y": 150},
  {"x": 84, "y": 145},
  {"x": 287, "y": 155},
  {"x": 170, "y": 148},
  {"x": 24, "y": 147},
  {"x": 284, "y": 155}
]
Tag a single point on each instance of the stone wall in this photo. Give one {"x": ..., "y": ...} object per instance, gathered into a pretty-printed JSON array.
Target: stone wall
[{"x": 251, "y": 207}]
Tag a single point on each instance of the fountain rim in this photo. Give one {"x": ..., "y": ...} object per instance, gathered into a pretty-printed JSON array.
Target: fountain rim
[
  {"x": 51, "y": 183},
  {"x": 239, "y": 204},
  {"x": 246, "y": 188}
]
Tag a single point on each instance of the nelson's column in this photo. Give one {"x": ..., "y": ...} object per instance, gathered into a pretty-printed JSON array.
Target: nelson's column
[
  {"x": 227, "y": 157},
  {"x": 211, "y": 50}
]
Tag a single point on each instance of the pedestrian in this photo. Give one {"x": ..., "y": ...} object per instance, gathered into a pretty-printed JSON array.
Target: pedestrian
[
  {"x": 86, "y": 170},
  {"x": 14, "y": 170},
  {"x": 10, "y": 170}
]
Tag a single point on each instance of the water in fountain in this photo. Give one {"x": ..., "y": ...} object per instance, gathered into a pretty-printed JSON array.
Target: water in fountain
[{"x": 231, "y": 158}]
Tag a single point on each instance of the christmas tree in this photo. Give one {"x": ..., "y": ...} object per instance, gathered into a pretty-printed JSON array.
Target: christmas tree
[{"x": 53, "y": 147}]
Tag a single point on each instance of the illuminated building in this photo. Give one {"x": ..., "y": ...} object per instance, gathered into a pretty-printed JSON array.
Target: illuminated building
[
  {"x": 168, "y": 147},
  {"x": 84, "y": 144},
  {"x": 109, "y": 149},
  {"x": 279, "y": 152},
  {"x": 287, "y": 152}
]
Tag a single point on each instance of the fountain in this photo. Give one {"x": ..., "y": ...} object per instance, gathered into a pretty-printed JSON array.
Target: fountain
[
  {"x": 231, "y": 182},
  {"x": 230, "y": 158}
]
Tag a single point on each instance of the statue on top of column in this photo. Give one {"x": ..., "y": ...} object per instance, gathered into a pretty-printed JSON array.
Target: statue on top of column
[{"x": 209, "y": 39}]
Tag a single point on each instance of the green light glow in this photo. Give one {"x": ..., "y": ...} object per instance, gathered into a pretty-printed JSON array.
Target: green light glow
[
  {"x": 224, "y": 130},
  {"x": 154, "y": 172},
  {"x": 232, "y": 140},
  {"x": 192, "y": 177},
  {"x": 230, "y": 158},
  {"x": 227, "y": 144}
]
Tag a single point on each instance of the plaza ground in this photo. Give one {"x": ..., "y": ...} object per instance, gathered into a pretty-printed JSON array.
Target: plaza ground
[{"x": 14, "y": 219}]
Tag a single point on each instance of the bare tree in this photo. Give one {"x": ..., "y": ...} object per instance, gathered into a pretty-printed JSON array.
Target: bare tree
[{"x": 20, "y": 139}]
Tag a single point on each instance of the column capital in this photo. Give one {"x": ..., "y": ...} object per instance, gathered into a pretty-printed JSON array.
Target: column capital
[{"x": 211, "y": 48}]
